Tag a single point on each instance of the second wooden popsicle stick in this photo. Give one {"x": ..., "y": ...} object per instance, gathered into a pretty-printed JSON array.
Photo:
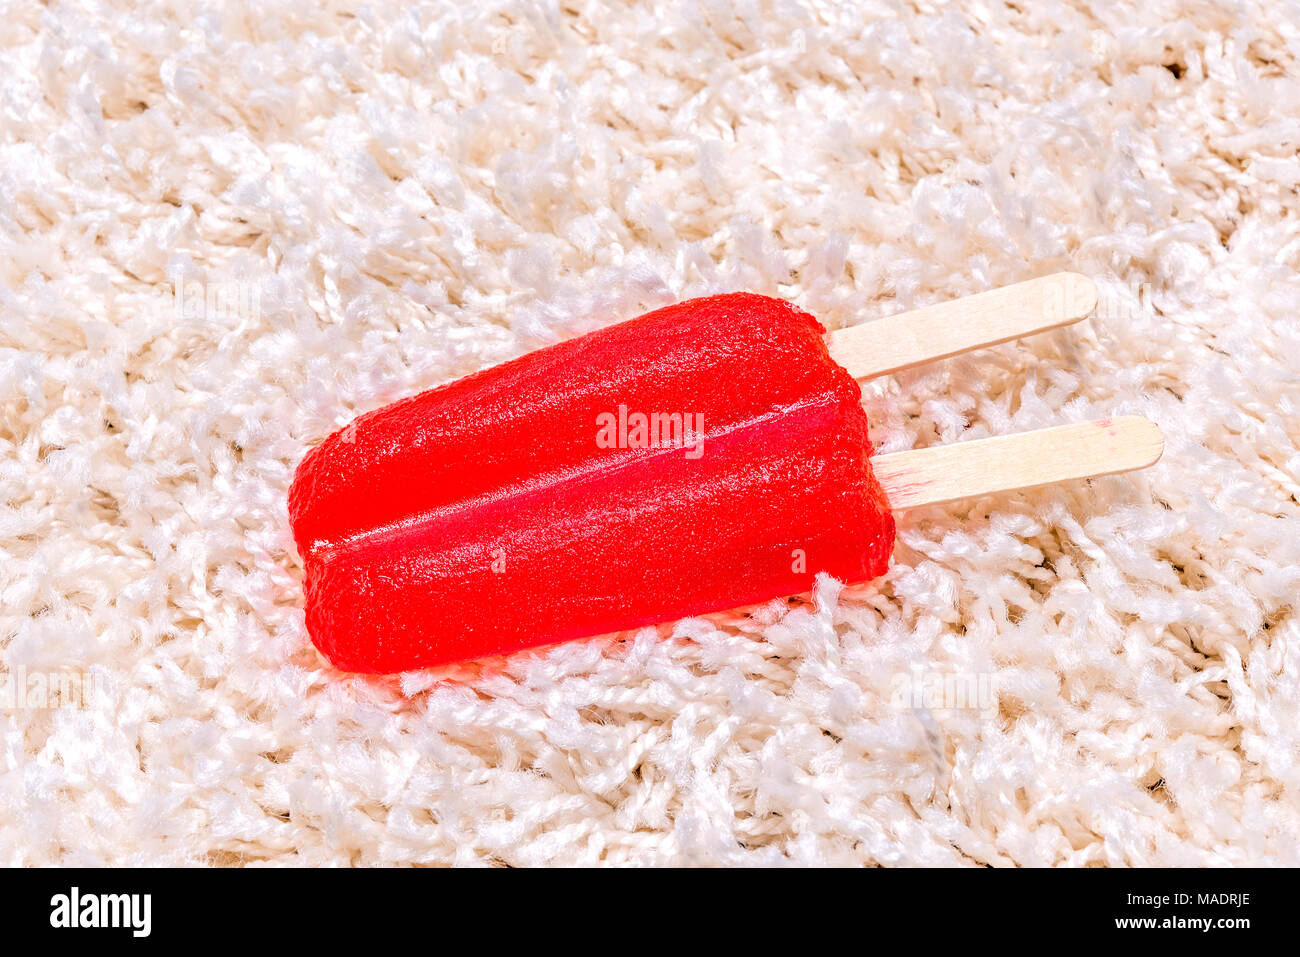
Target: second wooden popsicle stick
[
  {"x": 966, "y": 469},
  {"x": 972, "y": 322}
]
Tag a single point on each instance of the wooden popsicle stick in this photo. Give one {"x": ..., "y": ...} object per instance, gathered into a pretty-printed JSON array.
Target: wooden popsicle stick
[
  {"x": 984, "y": 319},
  {"x": 1023, "y": 460}
]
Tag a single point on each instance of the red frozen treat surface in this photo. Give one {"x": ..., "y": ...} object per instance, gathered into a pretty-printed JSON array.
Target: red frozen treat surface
[{"x": 530, "y": 503}]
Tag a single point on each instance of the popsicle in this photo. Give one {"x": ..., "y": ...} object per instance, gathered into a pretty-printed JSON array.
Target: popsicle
[{"x": 704, "y": 456}]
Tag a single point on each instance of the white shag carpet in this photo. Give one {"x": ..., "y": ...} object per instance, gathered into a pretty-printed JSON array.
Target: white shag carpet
[{"x": 369, "y": 201}]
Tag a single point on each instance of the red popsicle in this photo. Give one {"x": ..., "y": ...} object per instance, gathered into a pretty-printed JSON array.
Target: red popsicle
[{"x": 703, "y": 456}]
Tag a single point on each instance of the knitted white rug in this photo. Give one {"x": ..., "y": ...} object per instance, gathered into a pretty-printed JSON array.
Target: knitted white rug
[{"x": 360, "y": 203}]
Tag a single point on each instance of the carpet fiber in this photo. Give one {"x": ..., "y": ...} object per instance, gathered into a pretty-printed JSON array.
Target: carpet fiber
[{"x": 357, "y": 203}]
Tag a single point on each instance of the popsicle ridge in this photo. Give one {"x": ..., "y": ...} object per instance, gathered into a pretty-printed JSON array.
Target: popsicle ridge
[{"x": 528, "y": 503}]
